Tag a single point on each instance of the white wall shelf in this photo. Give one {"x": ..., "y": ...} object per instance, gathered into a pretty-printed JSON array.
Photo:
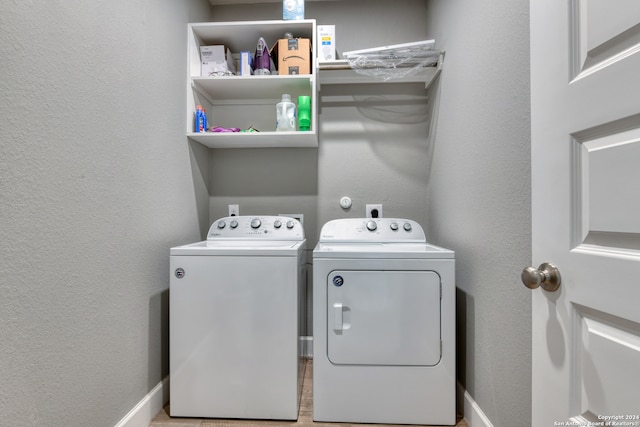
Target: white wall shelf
[
  {"x": 339, "y": 72},
  {"x": 247, "y": 101},
  {"x": 256, "y": 139}
]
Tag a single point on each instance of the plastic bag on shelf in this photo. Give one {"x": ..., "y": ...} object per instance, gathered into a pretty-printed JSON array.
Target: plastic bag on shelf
[{"x": 395, "y": 61}]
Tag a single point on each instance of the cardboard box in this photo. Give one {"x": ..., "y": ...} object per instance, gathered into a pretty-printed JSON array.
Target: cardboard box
[
  {"x": 326, "y": 43},
  {"x": 292, "y": 56},
  {"x": 292, "y": 9},
  {"x": 216, "y": 60}
]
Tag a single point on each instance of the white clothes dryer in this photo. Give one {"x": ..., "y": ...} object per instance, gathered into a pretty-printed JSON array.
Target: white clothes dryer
[
  {"x": 235, "y": 316},
  {"x": 383, "y": 324}
]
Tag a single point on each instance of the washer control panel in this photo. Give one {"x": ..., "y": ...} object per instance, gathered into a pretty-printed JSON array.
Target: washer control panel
[
  {"x": 256, "y": 228},
  {"x": 372, "y": 230}
]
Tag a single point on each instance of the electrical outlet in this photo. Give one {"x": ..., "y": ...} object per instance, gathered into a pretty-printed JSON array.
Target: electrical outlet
[
  {"x": 373, "y": 211},
  {"x": 299, "y": 217},
  {"x": 234, "y": 210}
]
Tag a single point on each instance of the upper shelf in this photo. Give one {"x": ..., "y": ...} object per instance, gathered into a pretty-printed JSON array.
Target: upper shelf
[
  {"x": 247, "y": 101},
  {"x": 242, "y": 35}
]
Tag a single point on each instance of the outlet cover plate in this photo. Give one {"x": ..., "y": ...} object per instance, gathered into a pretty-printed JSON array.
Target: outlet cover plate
[{"x": 371, "y": 208}]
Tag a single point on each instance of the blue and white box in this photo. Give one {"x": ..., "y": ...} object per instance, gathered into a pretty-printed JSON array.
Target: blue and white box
[
  {"x": 245, "y": 63},
  {"x": 327, "y": 43},
  {"x": 292, "y": 9}
]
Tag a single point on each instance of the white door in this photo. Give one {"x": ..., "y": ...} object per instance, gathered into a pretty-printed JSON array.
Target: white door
[{"x": 585, "y": 109}]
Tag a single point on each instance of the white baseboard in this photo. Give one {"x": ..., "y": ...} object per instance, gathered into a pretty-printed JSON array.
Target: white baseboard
[
  {"x": 471, "y": 410},
  {"x": 306, "y": 344},
  {"x": 142, "y": 414}
]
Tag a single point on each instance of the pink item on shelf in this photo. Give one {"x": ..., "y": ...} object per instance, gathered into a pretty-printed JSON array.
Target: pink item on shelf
[{"x": 221, "y": 129}]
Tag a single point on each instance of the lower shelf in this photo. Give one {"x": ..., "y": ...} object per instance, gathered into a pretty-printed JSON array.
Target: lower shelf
[{"x": 256, "y": 139}]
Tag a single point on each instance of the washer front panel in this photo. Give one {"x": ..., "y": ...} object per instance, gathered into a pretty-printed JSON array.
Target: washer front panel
[{"x": 234, "y": 327}]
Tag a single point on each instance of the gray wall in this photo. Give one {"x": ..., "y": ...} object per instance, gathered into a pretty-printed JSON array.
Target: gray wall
[
  {"x": 97, "y": 181},
  {"x": 479, "y": 195}
]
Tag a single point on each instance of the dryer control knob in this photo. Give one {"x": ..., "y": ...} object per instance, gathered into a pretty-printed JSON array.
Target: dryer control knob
[
  {"x": 371, "y": 225},
  {"x": 233, "y": 223},
  {"x": 277, "y": 223},
  {"x": 407, "y": 226},
  {"x": 290, "y": 224},
  {"x": 255, "y": 223},
  {"x": 393, "y": 226},
  {"x": 221, "y": 224}
]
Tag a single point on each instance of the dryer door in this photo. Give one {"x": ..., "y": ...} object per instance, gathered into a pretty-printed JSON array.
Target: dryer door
[{"x": 383, "y": 317}]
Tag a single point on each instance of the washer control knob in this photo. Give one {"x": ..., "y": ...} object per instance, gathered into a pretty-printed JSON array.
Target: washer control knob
[
  {"x": 233, "y": 223},
  {"x": 393, "y": 226},
  {"x": 277, "y": 223},
  {"x": 255, "y": 223},
  {"x": 290, "y": 224},
  {"x": 221, "y": 224},
  {"x": 371, "y": 225},
  {"x": 407, "y": 226}
]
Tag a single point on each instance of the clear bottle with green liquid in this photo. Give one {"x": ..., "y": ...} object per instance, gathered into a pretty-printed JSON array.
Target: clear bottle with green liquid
[{"x": 304, "y": 113}]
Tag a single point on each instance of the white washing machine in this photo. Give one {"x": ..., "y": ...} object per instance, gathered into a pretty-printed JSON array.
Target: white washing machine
[
  {"x": 235, "y": 317},
  {"x": 383, "y": 324}
]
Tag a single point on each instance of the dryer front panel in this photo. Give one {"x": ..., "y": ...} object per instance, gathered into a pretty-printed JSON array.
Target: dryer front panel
[{"x": 383, "y": 318}]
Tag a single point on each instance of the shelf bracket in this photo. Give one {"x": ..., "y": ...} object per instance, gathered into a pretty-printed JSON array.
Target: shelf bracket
[
  {"x": 437, "y": 73},
  {"x": 201, "y": 93}
]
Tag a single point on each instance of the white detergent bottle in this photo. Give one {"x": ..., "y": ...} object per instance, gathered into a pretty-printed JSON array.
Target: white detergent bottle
[{"x": 285, "y": 114}]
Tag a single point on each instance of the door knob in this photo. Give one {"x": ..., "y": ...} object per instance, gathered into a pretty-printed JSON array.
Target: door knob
[{"x": 547, "y": 276}]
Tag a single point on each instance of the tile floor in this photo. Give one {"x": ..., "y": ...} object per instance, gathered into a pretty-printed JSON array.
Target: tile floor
[{"x": 304, "y": 419}]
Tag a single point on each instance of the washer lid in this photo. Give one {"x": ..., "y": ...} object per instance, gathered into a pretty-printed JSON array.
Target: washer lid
[
  {"x": 242, "y": 248},
  {"x": 381, "y": 250}
]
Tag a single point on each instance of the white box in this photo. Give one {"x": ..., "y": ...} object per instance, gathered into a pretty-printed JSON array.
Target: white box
[
  {"x": 244, "y": 64},
  {"x": 326, "y": 43},
  {"x": 292, "y": 9},
  {"x": 214, "y": 61}
]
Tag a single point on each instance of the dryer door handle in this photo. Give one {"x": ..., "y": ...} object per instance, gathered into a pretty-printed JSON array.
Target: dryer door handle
[{"x": 337, "y": 317}]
